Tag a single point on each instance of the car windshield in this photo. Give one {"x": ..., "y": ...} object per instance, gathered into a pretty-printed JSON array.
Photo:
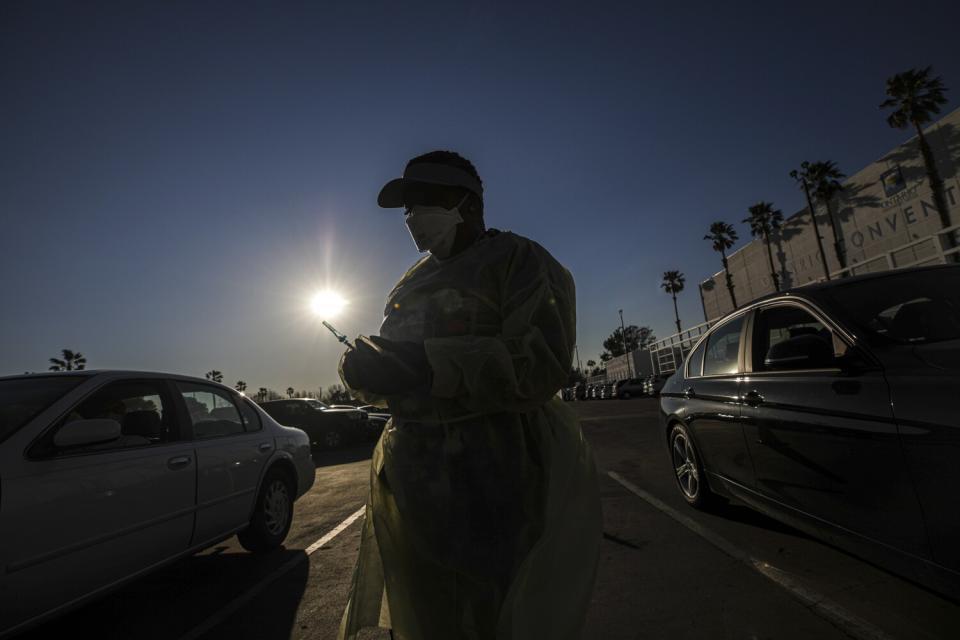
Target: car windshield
[
  {"x": 23, "y": 398},
  {"x": 907, "y": 308},
  {"x": 316, "y": 404}
]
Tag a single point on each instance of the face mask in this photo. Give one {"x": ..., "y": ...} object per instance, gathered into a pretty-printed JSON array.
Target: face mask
[{"x": 434, "y": 228}]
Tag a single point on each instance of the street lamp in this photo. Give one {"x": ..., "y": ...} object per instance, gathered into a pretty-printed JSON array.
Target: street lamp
[{"x": 623, "y": 335}]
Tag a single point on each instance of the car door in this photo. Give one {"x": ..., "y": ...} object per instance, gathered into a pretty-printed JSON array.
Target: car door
[
  {"x": 712, "y": 392},
  {"x": 820, "y": 428},
  {"x": 230, "y": 459},
  {"x": 78, "y": 519}
]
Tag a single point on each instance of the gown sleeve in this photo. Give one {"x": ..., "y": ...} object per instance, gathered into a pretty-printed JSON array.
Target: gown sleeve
[{"x": 524, "y": 366}]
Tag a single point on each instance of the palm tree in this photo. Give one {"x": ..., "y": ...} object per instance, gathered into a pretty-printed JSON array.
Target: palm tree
[
  {"x": 290, "y": 392},
  {"x": 764, "y": 220},
  {"x": 673, "y": 282},
  {"x": 723, "y": 235},
  {"x": 72, "y": 361},
  {"x": 214, "y": 375},
  {"x": 915, "y": 98},
  {"x": 826, "y": 176},
  {"x": 241, "y": 386},
  {"x": 805, "y": 177},
  {"x": 262, "y": 393}
]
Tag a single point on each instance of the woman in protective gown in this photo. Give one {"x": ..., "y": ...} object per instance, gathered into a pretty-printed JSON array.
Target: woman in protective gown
[{"x": 483, "y": 519}]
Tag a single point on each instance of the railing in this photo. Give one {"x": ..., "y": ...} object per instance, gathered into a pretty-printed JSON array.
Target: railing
[
  {"x": 889, "y": 259},
  {"x": 667, "y": 354}
]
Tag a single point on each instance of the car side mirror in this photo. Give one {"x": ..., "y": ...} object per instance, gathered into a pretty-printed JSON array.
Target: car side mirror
[
  {"x": 806, "y": 351},
  {"x": 81, "y": 432}
]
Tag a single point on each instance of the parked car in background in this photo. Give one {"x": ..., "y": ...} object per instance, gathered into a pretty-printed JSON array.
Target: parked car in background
[
  {"x": 608, "y": 391},
  {"x": 593, "y": 392},
  {"x": 327, "y": 427},
  {"x": 378, "y": 418},
  {"x": 653, "y": 384},
  {"x": 630, "y": 388},
  {"x": 107, "y": 475},
  {"x": 833, "y": 407}
]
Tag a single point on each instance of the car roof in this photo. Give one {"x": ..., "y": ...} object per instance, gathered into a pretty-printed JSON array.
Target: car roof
[
  {"x": 816, "y": 287},
  {"x": 114, "y": 373}
]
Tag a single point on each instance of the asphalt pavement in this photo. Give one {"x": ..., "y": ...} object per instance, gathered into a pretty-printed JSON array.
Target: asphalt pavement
[{"x": 666, "y": 570}]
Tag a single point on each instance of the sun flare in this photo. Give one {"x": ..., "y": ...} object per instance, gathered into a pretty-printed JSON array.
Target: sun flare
[{"x": 327, "y": 304}]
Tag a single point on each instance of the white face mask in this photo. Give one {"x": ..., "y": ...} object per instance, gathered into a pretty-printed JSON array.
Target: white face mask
[{"x": 434, "y": 228}]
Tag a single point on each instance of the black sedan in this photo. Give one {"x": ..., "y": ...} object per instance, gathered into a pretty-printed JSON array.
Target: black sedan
[
  {"x": 834, "y": 408},
  {"x": 327, "y": 427}
]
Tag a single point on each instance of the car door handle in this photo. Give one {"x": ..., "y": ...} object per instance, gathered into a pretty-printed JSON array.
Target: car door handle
[
  {"x": 753, "y": 399},
  {"x": 689, "y": 392},
  {"x": 178, "y": 462},
  {"x": 265, "y": 446}
]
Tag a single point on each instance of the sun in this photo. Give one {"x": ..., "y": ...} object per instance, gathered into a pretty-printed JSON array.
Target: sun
[{"x": 327, "y": 304}]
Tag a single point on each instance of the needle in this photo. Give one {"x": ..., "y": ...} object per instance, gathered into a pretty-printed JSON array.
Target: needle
[{"x": 339, "y": 336}]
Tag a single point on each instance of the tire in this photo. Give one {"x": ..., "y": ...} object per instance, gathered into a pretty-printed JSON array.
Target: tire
[
  {"x": 688, "y": 470},
  {"x": 625, "y": 395},
  {"x": 272, "y": 514}
]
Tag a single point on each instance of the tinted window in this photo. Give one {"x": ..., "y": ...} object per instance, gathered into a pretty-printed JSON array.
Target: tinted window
[
  {"x": 295, "y": 409},
  {"x": 780, "y": 324},
  {"x": 722, "y": 349},
  {"x": 23, "y": 398},
  {"x": 251, "y": 417},
  {"x": 905, "y": 308},
  {"x": 212, "y": 411},
  {"x": 138, "y": 406}
]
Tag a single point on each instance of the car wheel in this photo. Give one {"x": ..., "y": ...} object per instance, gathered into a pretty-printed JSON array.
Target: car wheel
[
  {"x": 272, "y": 514},
  {"x": 625, "y": 395},
  {"x": 688, "y": 470},
  {"x": 332, "y": 439}
]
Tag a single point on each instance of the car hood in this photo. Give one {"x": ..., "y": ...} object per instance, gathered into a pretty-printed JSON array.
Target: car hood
[{"x": 345, "y": 411}]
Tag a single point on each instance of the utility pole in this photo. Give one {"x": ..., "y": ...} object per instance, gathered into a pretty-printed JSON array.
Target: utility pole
[
  {"x": 579, "y": 366},
  {"x": 623, "y": 335}
]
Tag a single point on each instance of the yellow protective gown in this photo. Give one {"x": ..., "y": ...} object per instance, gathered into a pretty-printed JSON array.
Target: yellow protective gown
[{"x": 483, "y": 519}]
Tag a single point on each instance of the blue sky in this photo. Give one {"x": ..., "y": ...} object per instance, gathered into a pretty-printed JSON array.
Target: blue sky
[{"x": 177, "y": 179}]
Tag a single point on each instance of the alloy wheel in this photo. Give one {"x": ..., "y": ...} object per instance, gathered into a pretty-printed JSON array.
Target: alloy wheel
[
  {"x": 685, "y": 465},
  {"x": 276, "y": 507},
  {"x": 331, "y": 439}
]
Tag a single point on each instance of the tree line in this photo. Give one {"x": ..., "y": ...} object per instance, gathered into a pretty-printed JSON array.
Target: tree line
[
  {"x": 914, "y": 98},
  {"x": 70, "y": 360}
]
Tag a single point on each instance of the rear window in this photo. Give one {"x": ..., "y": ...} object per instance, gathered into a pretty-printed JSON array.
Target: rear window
[
  {"x": 904, "y": 308},
  {"x": 21, "y": 399}
]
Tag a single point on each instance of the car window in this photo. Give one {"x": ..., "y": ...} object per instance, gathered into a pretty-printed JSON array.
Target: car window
[
  {"x": 782, "y": 323},
  {"x": 251, "y": 417},
  {"x": 212, "y": 411},
  {"x": 23, "y": 398},
  {"x": 722, "y": 349},
  {"x": 296, "y": 409},
  {"x": 138, "y": 406},
  {"x": 695, "y": 361}
]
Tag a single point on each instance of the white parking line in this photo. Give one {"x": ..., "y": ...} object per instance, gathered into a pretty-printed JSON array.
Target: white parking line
[
  {"x": 819, "y": 604},
  {"x": 255, "y": 590}
]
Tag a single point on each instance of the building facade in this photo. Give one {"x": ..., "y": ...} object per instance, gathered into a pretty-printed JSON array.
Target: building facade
[{"x": 885, "y": 218}]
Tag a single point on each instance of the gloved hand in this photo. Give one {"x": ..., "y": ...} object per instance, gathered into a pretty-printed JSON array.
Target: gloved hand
[{"x": 385, "y": 366}]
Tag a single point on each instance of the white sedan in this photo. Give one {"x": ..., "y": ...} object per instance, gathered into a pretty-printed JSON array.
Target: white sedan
[{"x": 107, "y": 475}]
